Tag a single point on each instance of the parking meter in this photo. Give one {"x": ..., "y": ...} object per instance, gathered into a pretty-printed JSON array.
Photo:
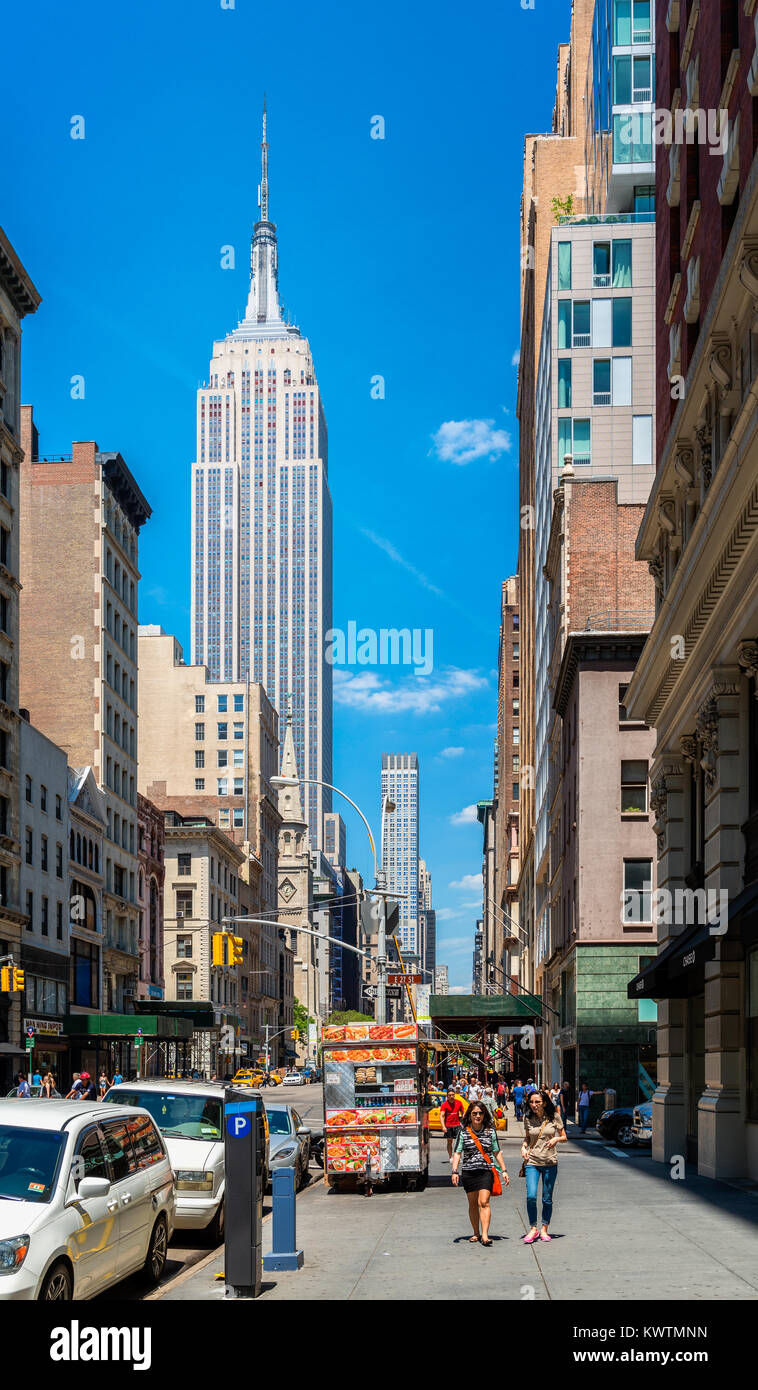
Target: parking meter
[{"x": 244, "y": 1159}]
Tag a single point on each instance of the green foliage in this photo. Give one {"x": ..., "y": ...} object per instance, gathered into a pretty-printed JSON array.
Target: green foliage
[
  {"x": 562, "y": 207},
  {"x": 301, "y": 1018},
  {"x": 350, "y": 1016}
]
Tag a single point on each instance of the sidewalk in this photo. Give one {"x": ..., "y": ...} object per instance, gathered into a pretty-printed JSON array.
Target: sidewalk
[{"x": 623, "y": 1229}]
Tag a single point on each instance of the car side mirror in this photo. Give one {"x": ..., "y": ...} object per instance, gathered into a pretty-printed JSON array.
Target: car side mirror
[
  {"x": 93, "y": 1187},
  {"x": 303, "y": 1130}
]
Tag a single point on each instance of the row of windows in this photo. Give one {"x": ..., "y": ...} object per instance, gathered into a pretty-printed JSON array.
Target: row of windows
[
  {"x": 575, "y": 438},
  {"x": 222, "y": 704},
  {"x": 29, "y": 794},
  {"x": 29, "y": 852}
]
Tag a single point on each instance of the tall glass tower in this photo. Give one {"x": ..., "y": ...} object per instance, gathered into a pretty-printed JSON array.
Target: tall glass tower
[
  {"x": 262, "y": 517},
  {"x": 400, "y": 859}
]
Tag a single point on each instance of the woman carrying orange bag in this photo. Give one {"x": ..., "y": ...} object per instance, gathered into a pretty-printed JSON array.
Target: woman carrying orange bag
[{"x": 476, "y": 1154}]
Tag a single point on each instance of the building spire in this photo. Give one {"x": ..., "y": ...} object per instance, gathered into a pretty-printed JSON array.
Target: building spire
[{"x": 263, "y": 186}]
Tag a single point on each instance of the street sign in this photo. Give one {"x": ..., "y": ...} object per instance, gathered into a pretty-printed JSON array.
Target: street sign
[
  {"x": 404, "y": 979},
  {"x": 30, "y": 1044},
  {"x": 30, "y": 1032},
  {"x": 393, "y": 992},
  {"x": 372, "y": 991},
  {"x": 238, "y": 1125}
]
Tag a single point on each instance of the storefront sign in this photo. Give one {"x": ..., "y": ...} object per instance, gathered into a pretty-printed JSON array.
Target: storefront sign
[{"x": 46, "y": 1026}]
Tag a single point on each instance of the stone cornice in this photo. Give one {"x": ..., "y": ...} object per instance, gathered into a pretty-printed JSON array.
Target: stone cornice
[{"x": 583, "y": 648}]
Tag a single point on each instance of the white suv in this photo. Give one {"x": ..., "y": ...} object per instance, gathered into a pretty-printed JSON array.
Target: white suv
[
  {"x": 86, "y": 1198},
  {"x": 190, "y": 1116}
]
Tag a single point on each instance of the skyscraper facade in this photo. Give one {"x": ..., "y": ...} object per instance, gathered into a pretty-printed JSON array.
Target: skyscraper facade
[
  {"x": 262, "y": 518},
  {"x": 400, "y": 859}
]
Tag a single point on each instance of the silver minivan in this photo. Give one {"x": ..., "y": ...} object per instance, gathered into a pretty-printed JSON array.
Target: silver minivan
[{"x": 190, "y": 1117}]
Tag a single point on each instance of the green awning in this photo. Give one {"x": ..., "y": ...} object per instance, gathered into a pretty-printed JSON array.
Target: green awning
[
  {"x": 125, "y": 1026},
  {"x": 472, "y": 1013}
]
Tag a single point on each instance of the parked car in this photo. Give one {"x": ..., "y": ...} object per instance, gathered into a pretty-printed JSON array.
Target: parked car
[
  {"x": 289, "y": 1141},
  {"x": 189, "y": 1115},
  {"x": 36, "y": 1092},
  {"x": 293, "y": 1078},
  {"x": 642, "y": 1123},
  {"x": 86, "y": 1199},
  {"x": 616, "y": 1125}
]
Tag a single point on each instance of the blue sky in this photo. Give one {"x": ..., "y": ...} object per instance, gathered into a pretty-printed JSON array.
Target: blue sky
[{"x": 398, "y": 257}]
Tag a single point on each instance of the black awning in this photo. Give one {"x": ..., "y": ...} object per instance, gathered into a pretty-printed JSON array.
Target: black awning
[
  {"x": 669, "y": 976},
  {"x": 743, "y": 916}
]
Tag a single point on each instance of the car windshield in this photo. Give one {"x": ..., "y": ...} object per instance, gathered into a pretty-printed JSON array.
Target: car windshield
[
  {"x": 278, "y": 1121},
  {"x": 29, "y": 1162},
  {"x": 176, "y": 1112}
]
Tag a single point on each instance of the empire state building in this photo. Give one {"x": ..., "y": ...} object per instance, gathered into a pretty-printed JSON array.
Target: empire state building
[{"x": 262, "y": 517}]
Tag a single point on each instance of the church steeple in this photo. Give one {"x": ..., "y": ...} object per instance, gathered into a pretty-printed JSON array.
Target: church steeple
[{"x": 290, "y": 803}]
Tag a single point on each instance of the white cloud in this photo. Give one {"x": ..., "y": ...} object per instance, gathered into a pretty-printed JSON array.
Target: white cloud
[
  {"x": 447, "y": 914},
  {"x": 465, "y": 817},
  {"x": 516, "y": 358},
  {"x": 416, "y": 695},
  {"x": 397, "y": 559},
  {"x": 468, "y": 883},
  {"x": 459, "y": 989},
  {"x": 452, "y": 752},
  {"x": 462, "y": 441}
]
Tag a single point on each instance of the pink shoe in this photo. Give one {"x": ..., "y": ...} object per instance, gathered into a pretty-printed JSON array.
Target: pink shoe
[
  {"x": 529, "y": 1240},
  {"x": 544, "y": 1237}
]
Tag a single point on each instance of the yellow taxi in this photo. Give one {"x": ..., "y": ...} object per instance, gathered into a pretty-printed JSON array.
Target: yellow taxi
[
  {"x": 434, "y": 1099},
  {"x": 246, "y": 1077}
]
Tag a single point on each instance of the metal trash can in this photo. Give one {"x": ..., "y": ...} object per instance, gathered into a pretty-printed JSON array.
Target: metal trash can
[{"x": 611, "y": 1099}]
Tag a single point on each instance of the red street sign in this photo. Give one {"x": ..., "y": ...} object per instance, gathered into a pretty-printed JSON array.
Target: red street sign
[{"x": 403, "y": 979}]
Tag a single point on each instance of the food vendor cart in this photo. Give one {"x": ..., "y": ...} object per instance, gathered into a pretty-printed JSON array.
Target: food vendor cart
[{"x": 375, "y": 1122}]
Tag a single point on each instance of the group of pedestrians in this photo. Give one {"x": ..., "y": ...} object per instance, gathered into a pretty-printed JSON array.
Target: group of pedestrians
[
  {"x": 474, "y": 1149},
  {"x": 83, "y": 1086}
]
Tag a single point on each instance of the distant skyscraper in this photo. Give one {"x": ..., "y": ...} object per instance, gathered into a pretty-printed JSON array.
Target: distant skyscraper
[
  {"x": 262, "y": 517},
  {"x": 427, "y": 923},
  {"x": 400, "y": 843}
]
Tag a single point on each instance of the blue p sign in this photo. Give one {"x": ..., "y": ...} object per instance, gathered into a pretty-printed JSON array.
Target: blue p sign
[{"x": 238, "y": 1125}]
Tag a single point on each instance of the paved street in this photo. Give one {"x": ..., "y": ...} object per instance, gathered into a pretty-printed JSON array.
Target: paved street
[{"x": 622, "y": 1229}]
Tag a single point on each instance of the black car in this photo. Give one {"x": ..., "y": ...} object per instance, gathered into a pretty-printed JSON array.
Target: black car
[{"x": 616, "y": 1125}]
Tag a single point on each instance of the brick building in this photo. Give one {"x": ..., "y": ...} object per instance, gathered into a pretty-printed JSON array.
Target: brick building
[
  {"x": 78, "y": 668},
  {"x": 18, "y": 297},
  {"x": 601, "y": 844},
  {"x": 504, "y": 909}
]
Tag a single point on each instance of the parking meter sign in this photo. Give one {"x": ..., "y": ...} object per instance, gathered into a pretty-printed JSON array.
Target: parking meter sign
[{"x": 238, "y": 1125}]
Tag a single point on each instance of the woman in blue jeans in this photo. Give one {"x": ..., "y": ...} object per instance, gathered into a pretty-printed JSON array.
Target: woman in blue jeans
[{"x": 543, "y": 1131}]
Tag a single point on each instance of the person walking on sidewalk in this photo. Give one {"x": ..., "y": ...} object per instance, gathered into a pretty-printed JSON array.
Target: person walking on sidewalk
[
  {"x": 583, "y": 1105},
  {"x": 543, "y": 1131},
  {"x": 501, "y": 1093},
  {"x": 564, "y": 1101},
  {"x": 476, "y": 1152},
  {"x": 518, "y": 1099},
  {"x": 451, "y": 1110}
]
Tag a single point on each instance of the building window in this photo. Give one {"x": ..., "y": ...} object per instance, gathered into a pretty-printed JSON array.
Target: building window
[
  {"x": 58, "y": 808},
  {"x": 564, "y": 383},
  {"x": 222, "y": 785},
  {"x": 223, "y": 819},
  {"x": 29, "y": 845},
  {"x": 59, "y": 921},
  {"x": 601, "y": 265},
  {"x": 239, "y": 787},
  {"x": 199, "y": 704},
  {"x": 43, "y": 853},
  {"x": 29, "y": 790},
  {"x": 183, "y": 903},
  {"x": 184, "y": 864},
  {"x": 199, "y": 784},
  {"x": 623, "y": 716},
  {"x": 239, "y": 704},
  {"x": 601, "y": 381},
  {"x": 30, "y": 910},
  {"x": 59, "y": 861},
  {"x": 183, "y": 986},
  {"x": 642, "y": 439},
  {"x": 199, "y": 733},
  {"x": 515, "y": 738},
  {"x": 564, "y": 265},
  {"x": 638, "y": 886},
  {"x": 239, "y": 730},
  {"x": 184, "y": 947},
  {"x": 199, "y": 757},
  {"x": 631, "y": 22},
  {"x": 515, "y": 763},
  {"x": 222, "y": 758},
  {"x": 222, "y": 730},
  {"x": 238, "y": 818},
  {"x": 222, "y": 704},
  {"x": 581, "y": 335},
  {"x": 45, "y": 917},
  {"x": 633, "y": 787},
  {"x": 43, "y": 798}
]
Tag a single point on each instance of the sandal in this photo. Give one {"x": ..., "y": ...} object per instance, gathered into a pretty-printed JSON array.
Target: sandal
[
  {"x": 474, "y": 1240},
  {"x": 486, "y": 1242}
]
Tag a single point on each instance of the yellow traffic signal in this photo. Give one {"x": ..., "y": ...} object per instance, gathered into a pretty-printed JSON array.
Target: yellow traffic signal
[
  {"x": 5, "y": 979},
  {"x": 218, "y": 948},
  {"x": 18, "y": 979},
  {"x": 295, "y": 1034},
  {"x": 235, "y": 950}
]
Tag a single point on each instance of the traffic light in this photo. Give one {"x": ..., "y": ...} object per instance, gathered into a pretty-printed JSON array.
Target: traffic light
[
  {"x": 218, "y": 949},
  {"x": 5, "y": 979},
  {"x": 295, "y": 1034},
  {"x": 17, "y": 979},
  {"x": 235, "y": 950}
]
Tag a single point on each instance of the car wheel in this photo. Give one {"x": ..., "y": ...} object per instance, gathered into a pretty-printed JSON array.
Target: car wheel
[
  {"x": 155, "y": 1260},
  {"x": 58, "y": 1285},
  {"x": 217, "y": 1225},
  {"x": 624, "y": 1135}
]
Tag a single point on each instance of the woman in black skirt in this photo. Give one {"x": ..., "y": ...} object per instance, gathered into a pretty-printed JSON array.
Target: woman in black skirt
[{"x": 477, "y": 1167}]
